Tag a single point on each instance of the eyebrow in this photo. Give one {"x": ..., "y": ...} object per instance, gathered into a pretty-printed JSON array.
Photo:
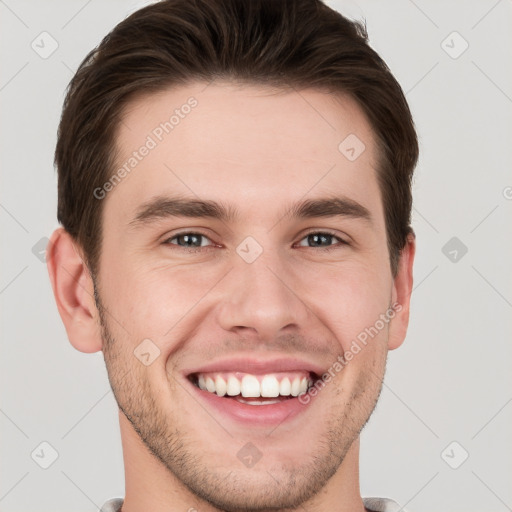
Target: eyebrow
[{"x": 165, "y": 207}]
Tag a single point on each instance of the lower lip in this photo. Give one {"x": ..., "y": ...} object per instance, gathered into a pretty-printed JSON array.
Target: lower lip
[{"x": 263, "y": 415}]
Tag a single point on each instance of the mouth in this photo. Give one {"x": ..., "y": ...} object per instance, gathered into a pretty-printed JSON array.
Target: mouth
[
  {"x": 255, "y": 397},
  {"x": 266, "y": 389}
]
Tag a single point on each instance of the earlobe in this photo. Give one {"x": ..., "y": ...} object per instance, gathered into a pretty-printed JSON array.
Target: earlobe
[
  {"x": 401, "y": 294},
  {"x": 74, "y": 292}
]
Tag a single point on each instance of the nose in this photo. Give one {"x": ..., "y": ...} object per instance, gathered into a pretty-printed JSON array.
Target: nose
[{"x": 259, "y": 298}]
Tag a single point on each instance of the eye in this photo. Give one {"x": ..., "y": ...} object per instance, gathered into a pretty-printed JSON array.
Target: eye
[
  {"x": 193, "y": 242},
  {"x": 188, "y": 240},
  {"x": 321, "y": 237}
]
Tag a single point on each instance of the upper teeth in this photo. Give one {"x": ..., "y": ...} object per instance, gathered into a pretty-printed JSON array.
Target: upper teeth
[{"x": 254, "y": 386}]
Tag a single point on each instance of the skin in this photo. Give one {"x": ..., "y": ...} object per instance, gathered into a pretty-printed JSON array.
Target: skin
[{"x": 258, "y": 149}]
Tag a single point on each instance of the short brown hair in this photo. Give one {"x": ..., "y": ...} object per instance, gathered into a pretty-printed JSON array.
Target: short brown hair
[{"x": 284, "y": 43}]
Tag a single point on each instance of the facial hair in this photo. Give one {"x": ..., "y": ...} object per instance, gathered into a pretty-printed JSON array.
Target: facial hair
[{"x": 282, "y": 488}]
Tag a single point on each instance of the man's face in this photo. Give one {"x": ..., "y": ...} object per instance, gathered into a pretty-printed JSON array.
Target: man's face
[{"x": 262, "y": 295}]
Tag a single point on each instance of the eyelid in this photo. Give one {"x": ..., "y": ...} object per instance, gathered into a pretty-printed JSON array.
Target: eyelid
[
  {"x": 325, "y": 231},
  {"x": 167, "y": 238},
  {"x": 315, "y": 231},
  {"x": 342, "y": 240}
]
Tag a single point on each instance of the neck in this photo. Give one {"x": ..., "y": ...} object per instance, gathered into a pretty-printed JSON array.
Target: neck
[{"x": 151, "y": 486}]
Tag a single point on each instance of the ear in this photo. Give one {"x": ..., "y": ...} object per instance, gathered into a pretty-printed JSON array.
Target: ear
[
  {"x": 74, "y": 292},
  {"x": 401, "y": 294}
]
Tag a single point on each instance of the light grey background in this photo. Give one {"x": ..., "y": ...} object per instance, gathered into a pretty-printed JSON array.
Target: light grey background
[{"x": 450, "y": 381}]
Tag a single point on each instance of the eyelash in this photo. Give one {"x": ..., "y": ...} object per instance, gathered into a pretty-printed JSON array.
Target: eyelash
[{"x": 198, "y": 249}]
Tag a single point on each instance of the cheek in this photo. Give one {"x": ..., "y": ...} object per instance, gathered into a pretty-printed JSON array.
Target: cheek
[
  {"x": 150, "y": 301},
  {"x": 348, "y": 299},
  {"x": 351, "y": 307}
]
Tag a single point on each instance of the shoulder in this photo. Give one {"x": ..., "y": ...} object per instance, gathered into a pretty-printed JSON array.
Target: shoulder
[
  {"x": 382, "y": 505},
  {"x": 112, "y": 505}
]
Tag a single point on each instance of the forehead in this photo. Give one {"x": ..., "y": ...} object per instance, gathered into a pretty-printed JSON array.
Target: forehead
[{"x": 251, "y": 145}]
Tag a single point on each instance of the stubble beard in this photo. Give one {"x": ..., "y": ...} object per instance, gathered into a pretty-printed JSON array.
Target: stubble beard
[{"x": 284, "y": 488}]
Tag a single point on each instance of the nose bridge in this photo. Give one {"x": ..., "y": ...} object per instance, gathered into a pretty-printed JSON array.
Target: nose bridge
[{"x": 259, "y": 295}]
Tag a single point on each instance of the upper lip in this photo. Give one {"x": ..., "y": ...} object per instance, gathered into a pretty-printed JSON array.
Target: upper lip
[{"x": 257, "y": 366}]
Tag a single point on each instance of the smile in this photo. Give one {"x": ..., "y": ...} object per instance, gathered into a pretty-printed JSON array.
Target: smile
[
  {"x": 254, "y": 393},
  {"x": 240, "y": 386}
]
